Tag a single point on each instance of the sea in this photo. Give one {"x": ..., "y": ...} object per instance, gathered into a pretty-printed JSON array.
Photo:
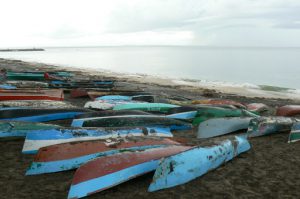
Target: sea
[{"x": 272, "y": 66}]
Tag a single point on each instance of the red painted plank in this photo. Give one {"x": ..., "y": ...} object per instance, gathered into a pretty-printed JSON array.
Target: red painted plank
[
  {"x": 110, "y": 164},
  {"x": 73, "y": 150},
  {"x": 56, "y": 94}
]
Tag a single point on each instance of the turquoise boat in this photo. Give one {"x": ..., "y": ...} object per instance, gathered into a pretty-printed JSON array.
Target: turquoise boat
[
  {"x": 151, "y": 107},
  {"x": 34, "y": 75}
]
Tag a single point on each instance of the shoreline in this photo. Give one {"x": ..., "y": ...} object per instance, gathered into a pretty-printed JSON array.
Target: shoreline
[{"x": 210, "y": 88}]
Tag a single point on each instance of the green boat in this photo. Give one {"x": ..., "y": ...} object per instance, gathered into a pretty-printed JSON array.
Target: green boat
[
  {"x": 20, "y": 129},
  {"x": 151, "y": 107},
  {"x": 207, "y": 112},
  {"x": 34, "y": 76}
]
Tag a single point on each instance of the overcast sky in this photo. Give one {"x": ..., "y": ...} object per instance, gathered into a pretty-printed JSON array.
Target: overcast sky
[{"x": 38, "y": 23}]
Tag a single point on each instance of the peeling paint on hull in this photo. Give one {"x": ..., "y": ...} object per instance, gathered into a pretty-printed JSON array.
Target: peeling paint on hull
[
  {"x": 20, "y": 129},
  {"x": 188, "y": 165},
  {"x": 106, "y": 172},
  {"x": 62, "y": 157},
  {"x": 221, "y": 126},
  {"x": 38, "y": 139},
  {"x": 268, "y": 125}
]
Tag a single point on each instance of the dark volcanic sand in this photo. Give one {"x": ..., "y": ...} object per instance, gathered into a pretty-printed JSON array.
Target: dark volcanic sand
[{"x": 269, "y": 170}]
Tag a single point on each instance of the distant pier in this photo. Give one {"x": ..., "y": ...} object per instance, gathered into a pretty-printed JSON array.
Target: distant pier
[{"x": 21, "y": 49}]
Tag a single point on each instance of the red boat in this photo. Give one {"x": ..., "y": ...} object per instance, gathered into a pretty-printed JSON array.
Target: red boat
[
  {"x": 54, "y": 94},
  {"x": 288, "y": 110}
]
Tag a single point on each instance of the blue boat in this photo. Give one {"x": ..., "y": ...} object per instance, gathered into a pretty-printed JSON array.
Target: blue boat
[
  {"x": 188, "y": 165},
  {"x": 39, "y": 114},
  {"x": 37, "y": 139}
]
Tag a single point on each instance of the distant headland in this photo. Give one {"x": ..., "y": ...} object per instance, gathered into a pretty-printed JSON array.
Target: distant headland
[{"x": 21, "y": 49}]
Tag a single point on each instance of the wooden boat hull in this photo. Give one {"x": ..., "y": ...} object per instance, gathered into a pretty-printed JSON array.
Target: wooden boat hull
[
  {"x": 221, "y": 126},
  {"x": 288, "y": 110},
  {"x": 150, "y": 107},
  {"x": 36, "y": 104},
  {"x": 82, "y": 84},
  {"x": 67, "y": 156},
  {"x": 95, "y": 94},
  {"x": 109, "y": 113},
  {"x": 28, "y": 84},
  {"x": 39, "y": 114},
  {"x": 20, "y": 129},
  {"x": 38, "y": 139},
  {"x": 32, "y": 95},
  {"x": 106, "y": 172},
  {"x": 131, "y": 121},
  {"x": 268, "y": 125},
  {"x": 219, "y": 102},
  {"x": 205, "y": 113},
  {"x": 295, "y": 133},
  {"x": 258, "y": 108},
  {"x": 106, "y": 104},
  {"x": 185, "y": 166}
]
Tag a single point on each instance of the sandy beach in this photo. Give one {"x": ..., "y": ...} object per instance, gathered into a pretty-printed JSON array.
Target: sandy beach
[{"x": 269, "y": 170}]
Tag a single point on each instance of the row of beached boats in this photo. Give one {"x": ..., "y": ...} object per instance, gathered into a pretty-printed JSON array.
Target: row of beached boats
[{"x": 122, "y": 134}]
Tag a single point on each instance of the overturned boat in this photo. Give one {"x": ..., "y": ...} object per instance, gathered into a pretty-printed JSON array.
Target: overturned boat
[
  {"x": 221, "y": 126},
  {"x": 62, "y": 157},
  {"x": 288, "y": 110},
  {"x": 82, "y": 84},
  {"x": 149, "y": 107},
  {"x": 20, "y": 129},
  {"x": 105, "y": 172},
  {"x": 38, "y": 139},
  {"x": 131, "y": 121},
  {"x": 209, "y": 112},
  {"x": 54, "y": 94},
  {"x": 268, "y": 125},
  {"x": 28, "y": 114},
  {"x": 36, "y": 104},
  {"x": 219, "y": 102},
  {"x": 190, "y": 164}
]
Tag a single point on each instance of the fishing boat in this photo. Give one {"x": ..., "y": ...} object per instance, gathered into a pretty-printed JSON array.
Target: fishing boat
[
  {"x": 182, "y": 113},
  {"x": 55, "y": 94},
  {"x": 82, "y": 84},
  {"x": 106, "y": 104},
  {"x": 105, "y": 172},
  {"x": 151, "y": 107},
  {"x": 288, "y": 110},
  {"x": 268, "y": 125},
  {"x": 33, "y": 75},
  {"x": 67, "y": 156},
  {"x": 95, "y": 93},
  {"x": 221, "y": 126},
  {"x": 259, "y": 108},
  {"x": 20, "y": 129},
  {"x": 131, "y": 121},
  {"x": 36, "y": 104},
  {"x": 38, "y": 139},
  {"x": 141, "y": 98},
  {"x": 295, "y": 133},
  {"x": 190, "y": 164},
  {"x": 219, "y": 102},
  {"x": 28, "y": 84},
  {"x": 7, "y": 87},
  {"x": 111, "y": 113},
  {"x": 208, "y": 112},
  {"x": 39, "y": 114}
]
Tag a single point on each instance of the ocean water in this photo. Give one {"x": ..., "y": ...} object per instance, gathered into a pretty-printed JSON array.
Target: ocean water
[{"x": 258, "y": 66}]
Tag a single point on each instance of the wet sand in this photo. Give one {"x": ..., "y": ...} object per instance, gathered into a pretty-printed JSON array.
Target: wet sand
[{"x": 269, "y": 170}]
